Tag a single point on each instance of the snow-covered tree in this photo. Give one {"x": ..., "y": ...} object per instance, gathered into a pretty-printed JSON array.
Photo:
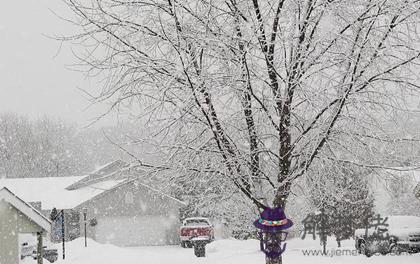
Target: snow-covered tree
[
  {"x": 342, "y": 191},
  {"x": 47, "y": 148},
  {"x": 254, "y": 91},
  {"x": 402, "y": 199},
  {"x": 16, "y": 145}
]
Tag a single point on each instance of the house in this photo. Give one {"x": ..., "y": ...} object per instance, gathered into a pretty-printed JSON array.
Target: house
[
  {"x": 119, "y": 208},
  {"x": 18, "y": 217}
]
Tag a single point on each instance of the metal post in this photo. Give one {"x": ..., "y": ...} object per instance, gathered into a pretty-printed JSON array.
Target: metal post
[
  {"x": 85, "y": 221},
  {"x": 39, "y": 248},
  {"x": 199, "y": 248},
  {"x": 63, "y": 234}
]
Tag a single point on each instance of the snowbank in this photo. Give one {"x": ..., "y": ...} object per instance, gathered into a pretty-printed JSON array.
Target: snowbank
[{"x": 228, "y": 251}]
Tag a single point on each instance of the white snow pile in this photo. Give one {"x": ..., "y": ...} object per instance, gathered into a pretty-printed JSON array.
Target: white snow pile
[{"x": 228, "y": 251}]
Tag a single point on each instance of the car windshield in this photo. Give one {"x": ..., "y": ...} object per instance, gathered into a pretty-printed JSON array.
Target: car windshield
[{"x": 196, "y": 222}]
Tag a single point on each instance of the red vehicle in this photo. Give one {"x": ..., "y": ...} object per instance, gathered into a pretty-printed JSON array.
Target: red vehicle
[{"x": 196, "y": 228}]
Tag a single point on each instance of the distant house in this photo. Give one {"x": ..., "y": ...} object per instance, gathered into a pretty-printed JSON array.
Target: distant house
[
  {"x": 119, "y": 208},
  {"x": 17, "y": 217}
]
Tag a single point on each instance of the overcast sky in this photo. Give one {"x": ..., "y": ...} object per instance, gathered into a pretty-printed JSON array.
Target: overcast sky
[{"x": 34, "y": 80}]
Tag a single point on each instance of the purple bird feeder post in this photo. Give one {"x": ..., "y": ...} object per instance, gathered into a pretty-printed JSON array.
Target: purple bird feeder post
[{"x": 272, "y": 226}]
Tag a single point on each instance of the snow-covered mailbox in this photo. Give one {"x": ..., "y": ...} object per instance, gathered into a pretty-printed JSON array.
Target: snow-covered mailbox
[{"x": 17, "y": 217}]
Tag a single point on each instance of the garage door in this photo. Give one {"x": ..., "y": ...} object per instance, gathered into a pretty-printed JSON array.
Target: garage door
[{"x": 136, "y": 231}]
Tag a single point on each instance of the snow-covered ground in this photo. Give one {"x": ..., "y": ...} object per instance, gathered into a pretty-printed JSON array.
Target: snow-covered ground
[{"x": 228, "y": 251}]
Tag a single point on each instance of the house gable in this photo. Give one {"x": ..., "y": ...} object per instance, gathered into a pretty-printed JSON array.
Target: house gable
[{"x": 25, "y": 209}]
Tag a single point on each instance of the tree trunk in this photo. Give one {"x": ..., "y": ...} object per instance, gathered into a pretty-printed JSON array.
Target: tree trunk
[
  {"x": 273, "y": 261},
  {"x": 279, "y": 201}
]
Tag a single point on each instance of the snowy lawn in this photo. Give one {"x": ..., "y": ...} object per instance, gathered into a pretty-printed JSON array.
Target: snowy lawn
[{"x": 227, "y": 251}]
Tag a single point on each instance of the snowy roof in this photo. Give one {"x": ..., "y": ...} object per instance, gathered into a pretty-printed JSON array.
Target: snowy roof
[
  {"x": 110, "y": 170},
  {"x": 52, "y": 192},
  {"x": 25, "y": 208},
  {"x": 110, "y": 167},
  {"x": 71, "y": 192}
]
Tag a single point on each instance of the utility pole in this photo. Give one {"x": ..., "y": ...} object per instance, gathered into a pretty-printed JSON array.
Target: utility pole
[
  {"x": 39, "y": 248},
  {"x": 85, "y": 222},
  {"x": 63, "y": 233}
]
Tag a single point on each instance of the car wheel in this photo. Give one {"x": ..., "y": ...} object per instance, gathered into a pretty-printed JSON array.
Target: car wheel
[
  {"x": 364, "y": 250},
  {"x": 183, "y": 244},
  {"x": 414, "y": 251},
  {"x": 189, "y": 244},
  {"x": 395, "y": 250}
]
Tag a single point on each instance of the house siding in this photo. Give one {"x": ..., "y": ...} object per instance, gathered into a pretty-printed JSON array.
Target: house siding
[
  {"x": 132, "y": 203},
  {"x": 13, "y": 222}
]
